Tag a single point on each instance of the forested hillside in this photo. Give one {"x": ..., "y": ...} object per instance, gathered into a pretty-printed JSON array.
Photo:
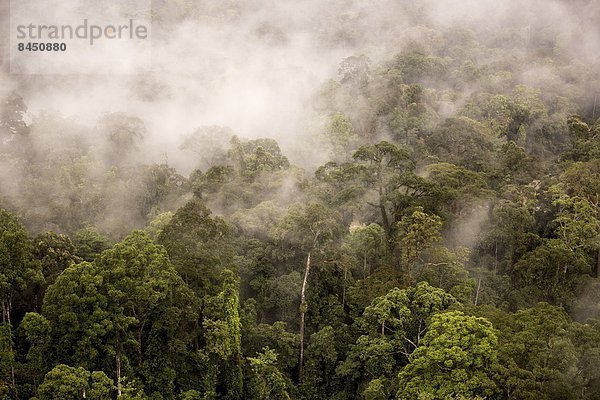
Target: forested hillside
[{"x": 428, "y": 227}]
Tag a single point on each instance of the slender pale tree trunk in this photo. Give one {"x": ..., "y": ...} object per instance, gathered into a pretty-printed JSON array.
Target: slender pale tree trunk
[
  {"x": 477, "y": 292},
  {"x": 6, "y": 311},
  {"x": 303, "y": 308},
  {"x": 496, "y": 257}
]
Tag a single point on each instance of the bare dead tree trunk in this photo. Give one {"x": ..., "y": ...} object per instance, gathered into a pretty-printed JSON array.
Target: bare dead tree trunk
[
  {"x": 303, "y": 309},
  {"x": 477, "y": 292},
  {"x": 6, "y": 311}
]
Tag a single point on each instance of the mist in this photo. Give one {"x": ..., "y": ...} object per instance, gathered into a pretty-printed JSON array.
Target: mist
[
  {"x": 259, "y": 68},
  {"x": 255, "y": 66}
]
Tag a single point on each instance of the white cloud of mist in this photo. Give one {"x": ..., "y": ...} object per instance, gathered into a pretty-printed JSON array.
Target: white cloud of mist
[{"x": 255, "y": 65}]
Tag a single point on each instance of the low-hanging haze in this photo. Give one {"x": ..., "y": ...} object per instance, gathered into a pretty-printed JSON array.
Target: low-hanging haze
[{"x": 255, "y": 66}]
